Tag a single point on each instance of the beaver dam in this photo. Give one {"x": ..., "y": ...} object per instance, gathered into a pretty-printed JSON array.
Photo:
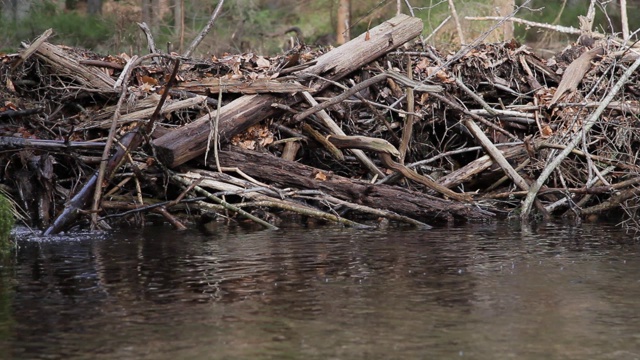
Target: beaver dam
[{"x": 381, "y": 129}]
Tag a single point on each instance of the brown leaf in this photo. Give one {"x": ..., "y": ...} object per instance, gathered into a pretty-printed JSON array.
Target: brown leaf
[
  {"x": 575, "y": 72},
  {"x": 262, "y": 62},
  {"x": 320, "y": 176},
  {"x": 149, "y": 80}
]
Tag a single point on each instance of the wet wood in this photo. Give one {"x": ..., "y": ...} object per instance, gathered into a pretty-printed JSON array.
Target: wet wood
[{"x": 413, "y": 204}]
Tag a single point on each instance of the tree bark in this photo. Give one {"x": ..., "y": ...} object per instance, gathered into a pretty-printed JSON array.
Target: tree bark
[
  {"x": 146, "y": 11},
  {"x": 178, "y": 19},
  {"x": 506, "y": 8},
  {"x": 344, "y": 15}
]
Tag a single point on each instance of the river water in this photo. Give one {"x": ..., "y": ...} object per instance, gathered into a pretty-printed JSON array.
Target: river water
[{"x": 481, "y": 291}]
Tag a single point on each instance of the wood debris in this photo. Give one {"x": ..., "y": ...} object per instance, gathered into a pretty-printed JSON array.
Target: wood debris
[{"x": 315, "y": 133}]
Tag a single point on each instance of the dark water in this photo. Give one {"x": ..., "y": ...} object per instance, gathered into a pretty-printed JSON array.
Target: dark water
[{"x": 490, "y": 291}]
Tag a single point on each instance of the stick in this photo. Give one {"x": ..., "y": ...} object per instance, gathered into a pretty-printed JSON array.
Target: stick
[
  {"x": 24, "y": 55},
  {"x": 407, "y": 131},
  {"x": 130, "y": 140},
  {"x": 97, "y": 194},
  {"x": 225, "y": 204},
  {"x": 336, "y": 130},
  {"x": 194, "y": 44},
  {"x": 526, "y": 206}
]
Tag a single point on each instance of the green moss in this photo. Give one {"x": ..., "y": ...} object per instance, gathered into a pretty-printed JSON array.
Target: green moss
[
  {"x": 6, "y": 223},
  {"x": 70, "y": 28}
]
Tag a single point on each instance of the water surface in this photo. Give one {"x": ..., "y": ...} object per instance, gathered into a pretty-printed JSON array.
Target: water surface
[{"x": 482, "y": 291}]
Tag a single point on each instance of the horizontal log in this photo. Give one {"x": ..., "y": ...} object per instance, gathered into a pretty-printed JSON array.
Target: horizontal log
[
  {"x": 284, "y": 173},
  {"x": 191, "y": 140}
]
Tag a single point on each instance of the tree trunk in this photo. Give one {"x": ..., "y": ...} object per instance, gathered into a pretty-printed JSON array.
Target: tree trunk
[
  {"x": 94, "y": 7},
  {"x": 178, "y": 19},
  {"x": 344, "y": 15},
  {"x": 146, "y": 11},
  {"x": 413, "y": 204},
  {"x": 506, "y": 8},
  {"x": 15, "y": 9}
]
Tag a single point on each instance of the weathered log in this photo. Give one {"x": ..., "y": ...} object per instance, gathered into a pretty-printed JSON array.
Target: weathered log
[
  {"x": 65, "y": 63},
  {"x": 258, "y": 86},
  {"x": 13, "y": 143},
  {"x": 413, "y": 204},
  {"x": 190, "y": 141}
]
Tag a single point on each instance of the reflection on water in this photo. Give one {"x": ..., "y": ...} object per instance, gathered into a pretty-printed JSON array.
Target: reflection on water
[{"x": 479, "y": 292}]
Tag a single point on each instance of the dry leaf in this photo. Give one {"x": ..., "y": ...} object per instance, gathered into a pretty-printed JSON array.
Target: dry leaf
[
  {"x": 262, "y": 62},
  {"x": 149, "y": 80},
  {"x": 320, "y": 176},
  {"x": 10, "y": 86},
  {"x": 367, "y": 36}
]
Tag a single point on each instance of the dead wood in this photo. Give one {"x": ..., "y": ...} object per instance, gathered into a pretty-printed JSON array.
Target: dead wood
[
  {"x": 189, "y": 142},
  {"x": 413, "y": 204},
  {"x": 129, "y": 142},
  {"x": 485, "y": 121}
]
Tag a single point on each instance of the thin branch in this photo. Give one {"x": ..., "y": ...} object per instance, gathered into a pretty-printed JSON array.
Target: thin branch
[
  {"x": 535, "y": 187},
  {"x": 194, "y": 44}
]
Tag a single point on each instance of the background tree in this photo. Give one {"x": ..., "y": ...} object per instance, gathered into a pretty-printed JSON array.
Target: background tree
[
  {"x": 343, "y": 22},
  {"x": 94, "y": 7}
]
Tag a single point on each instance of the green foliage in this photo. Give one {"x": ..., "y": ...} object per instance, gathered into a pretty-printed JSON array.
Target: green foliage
[
  {"x": 70, "y": 28},
  {"x": 7, "y": 221},
  {"x": 258, "y": 25}
]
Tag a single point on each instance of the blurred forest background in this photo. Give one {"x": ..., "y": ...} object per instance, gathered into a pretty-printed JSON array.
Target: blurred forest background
[{"x": 110, "y": 26}]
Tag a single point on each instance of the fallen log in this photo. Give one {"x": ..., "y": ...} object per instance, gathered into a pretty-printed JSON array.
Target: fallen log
[
  {"x": 413, "y": 204},
  {"x": 65, "y": 63},
  {"x": 190, "y": 141}
]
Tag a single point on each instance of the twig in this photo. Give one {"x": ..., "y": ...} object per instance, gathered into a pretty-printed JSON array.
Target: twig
[
  {"x": 495, "y": 154},
  {"x": 365, "y": 84},
  {"x": 225, "y": 204},
  {"x": 147, "y": 127},
  {"x": 407, "y": 131},
  {"x": 526, "y": 206},
  {"x": 194, "y": 44},
  {"x": 335, "y": 129},
  {"x": 151, "y": 44},
  {"x": 97, "y": 193},
  {"x": 435, "y": 31}
]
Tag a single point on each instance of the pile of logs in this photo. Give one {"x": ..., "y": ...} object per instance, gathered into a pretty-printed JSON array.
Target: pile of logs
[{"x": 377, "y": 129}]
